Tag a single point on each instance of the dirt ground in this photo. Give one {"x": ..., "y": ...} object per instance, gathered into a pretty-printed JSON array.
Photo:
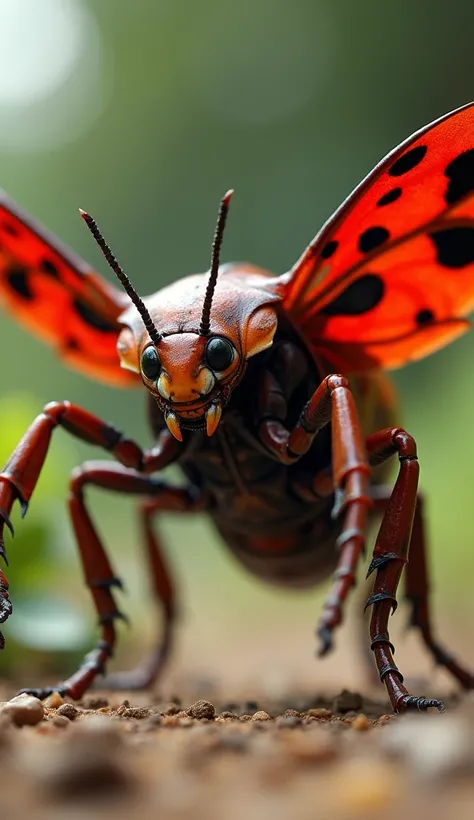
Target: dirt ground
[
  {"x": 336, "y": 756},
  {"x": 250, "y": 727}
]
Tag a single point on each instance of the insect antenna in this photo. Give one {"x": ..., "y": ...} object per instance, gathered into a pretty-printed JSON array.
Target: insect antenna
[
  {"x": 205, "y": 325},
  {"x": 153, "y": 333}
]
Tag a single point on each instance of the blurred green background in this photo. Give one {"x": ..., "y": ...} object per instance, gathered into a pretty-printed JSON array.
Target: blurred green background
[{"x": 144, "y": 113}]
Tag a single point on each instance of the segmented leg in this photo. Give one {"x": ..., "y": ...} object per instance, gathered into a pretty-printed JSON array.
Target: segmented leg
[
  {"x": 144, "y": 675},
  {"x": 20, "y": 475},
  {"x": 98, "y": 572},
  {"x": 332, "y": 402},
  {"x": 389, "y": 558},
  {"x": 417, "y": 589}
]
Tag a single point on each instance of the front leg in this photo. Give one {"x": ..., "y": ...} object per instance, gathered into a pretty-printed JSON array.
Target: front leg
[
  {"x": 20, "y": 475},
  {"x": 98, "y": 573},
  {"x": 332, "y": 402}
]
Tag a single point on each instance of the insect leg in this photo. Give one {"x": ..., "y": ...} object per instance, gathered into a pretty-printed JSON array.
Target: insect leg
[
  {"x": 390, "y": 556},
  {"x": 20, "y": 475},
  {"x": 417, "y": 589},
  {"x": 332, "y": 402},
  {"x": 170, "y": 500},
  {"x": 98, "y": 573}
]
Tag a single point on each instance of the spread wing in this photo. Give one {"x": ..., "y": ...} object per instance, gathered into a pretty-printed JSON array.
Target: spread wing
[
  {"x": 57, "y": 296},
  {"x": 390, "y": 277}
]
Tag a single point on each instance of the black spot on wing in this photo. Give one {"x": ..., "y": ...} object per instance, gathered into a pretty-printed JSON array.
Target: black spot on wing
[
  {"x": 359, "y": 297},
  {"x": 48, "y": 267},
  {"x": 408, "y": 161},
  {"x": 454, "y": 246},
  {"x": 372, "y": 238},
  {"x": 18, "y": 280},
  {"x": 329, "y": 249},
  {"x": 93, "y": 319},
  {"x": 389, "y": 197},
  {"x": 10, "y": 229},
  {"x": 424, "y": 316},
  {"x": 460, "y": 173}
]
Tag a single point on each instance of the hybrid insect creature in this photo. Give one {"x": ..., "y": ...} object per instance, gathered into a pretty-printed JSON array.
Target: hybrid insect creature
[{"x": 267, "y": 391}]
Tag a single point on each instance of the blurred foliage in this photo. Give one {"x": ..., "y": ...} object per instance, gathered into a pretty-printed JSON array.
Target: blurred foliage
[{"x": 290, "y": 103}]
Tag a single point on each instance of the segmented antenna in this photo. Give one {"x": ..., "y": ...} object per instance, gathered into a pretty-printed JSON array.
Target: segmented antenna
[
  {"x": 153, "y": 333},
  {"x": 205, "y": 326}
]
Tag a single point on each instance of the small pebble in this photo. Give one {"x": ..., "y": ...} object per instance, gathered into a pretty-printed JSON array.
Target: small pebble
[
  {"x": 69, "y": 711},
  {"x": 23, "y": 710},
  {"x": 134, "y": 712},
  {"x": 201, "y": 709},
  {"x": 291, "y": 713},
  {"x": 54, "y": 701},
  {"x": 361, "y": 723},
  {"x": 320, "y": 713},
  {"x": 347, "y": 702},
  {"x": 261, "y": 715}
]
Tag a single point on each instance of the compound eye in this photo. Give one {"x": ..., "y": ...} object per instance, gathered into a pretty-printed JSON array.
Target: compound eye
[
  {"x": 219, "y": 354},
  {"x": 150, "y": 364}
]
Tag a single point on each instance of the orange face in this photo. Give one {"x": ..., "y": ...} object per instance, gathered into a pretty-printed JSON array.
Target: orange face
[{"x": 191, "y": 377}]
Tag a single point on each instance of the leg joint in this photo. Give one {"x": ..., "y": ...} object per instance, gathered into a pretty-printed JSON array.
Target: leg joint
[
  {"x": 55, "y": 410},
  {"x": 334, "y": 381},
  {"x": 405, "y": 444},
  {"x": 79, "y": 476}
]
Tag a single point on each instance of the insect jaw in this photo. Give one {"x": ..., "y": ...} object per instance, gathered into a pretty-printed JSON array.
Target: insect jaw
[
  {"x": 172, "y": 424},
  {"x": 203, "y": 413},
  {"x": 193, "y": 416},
  {"x": 213, "y": 417}
]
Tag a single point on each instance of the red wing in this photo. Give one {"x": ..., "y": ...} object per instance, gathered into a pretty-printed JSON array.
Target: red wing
[
  {"x": 390, "y": 277},
  {"x": 53, "y": 293}
]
